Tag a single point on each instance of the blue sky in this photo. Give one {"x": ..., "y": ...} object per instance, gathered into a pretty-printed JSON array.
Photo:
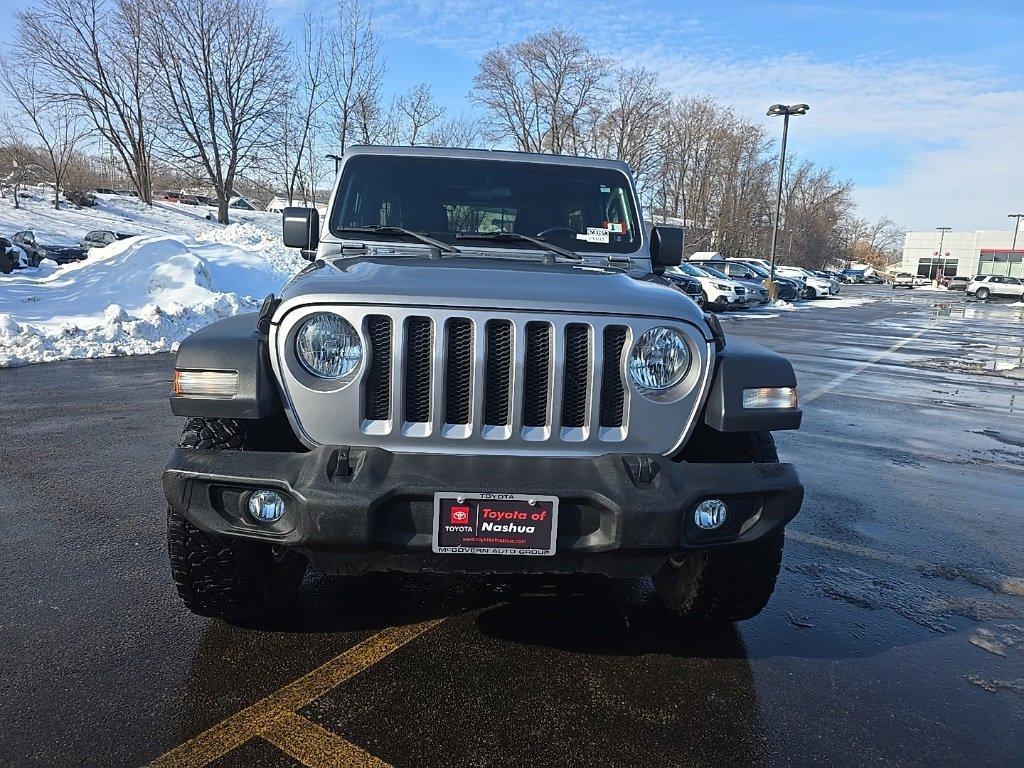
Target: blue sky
[{"x": 921, "y": 104}]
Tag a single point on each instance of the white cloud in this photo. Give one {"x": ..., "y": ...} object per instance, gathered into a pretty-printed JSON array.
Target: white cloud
[
  {"x": 958, "y": 131},
  {"x": 945, "y": 137}
]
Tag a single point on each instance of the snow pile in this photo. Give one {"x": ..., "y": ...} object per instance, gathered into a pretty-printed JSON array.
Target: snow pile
[{"x": 138, "y": 296}]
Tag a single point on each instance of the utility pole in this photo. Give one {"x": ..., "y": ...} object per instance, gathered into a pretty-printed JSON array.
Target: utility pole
[
  {"x": 1016, "y": 226},
  {"x": 783, "y": 110},
  {"x": 942, "y": 259}
]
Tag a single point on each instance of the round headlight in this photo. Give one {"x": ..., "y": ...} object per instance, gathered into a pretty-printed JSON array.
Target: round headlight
[
  {"x": 659, "y": 360},
  {"x": 328, "y": 346}
]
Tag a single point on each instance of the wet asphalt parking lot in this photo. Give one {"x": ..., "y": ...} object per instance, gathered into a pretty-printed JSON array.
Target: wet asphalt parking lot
[{"x": 895, "y": 637}]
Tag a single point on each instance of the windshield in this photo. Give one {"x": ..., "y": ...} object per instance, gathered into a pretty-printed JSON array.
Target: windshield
[
  {"x": 579, "y": 208},
  {"x": 715, "y": 273},
  {"x": 756, "y": 269},
  {"x": 691, "y": 270}
]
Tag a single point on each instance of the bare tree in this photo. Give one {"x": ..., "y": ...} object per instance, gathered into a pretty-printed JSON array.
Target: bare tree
[
  {"x": 418, "y": 111},
  {"x": 53, "y": 122},
  {"x": 455, "y": 131},
  {"x": 628, "y": 127},
  {"x": 357, "y": 76},
  {"x": 19, "y": 165},
  {"x": 94, "y": 55},
  {"x": 302, "y": 117},
  {"x": 221, "y": 67},
  {"x": 537, "y": 91}
]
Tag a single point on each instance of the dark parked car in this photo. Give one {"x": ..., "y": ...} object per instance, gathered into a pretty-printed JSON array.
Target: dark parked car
[
  {"x": 8, "y": 256},
  {"x": 100, "y": 238},
  {"x": 36, "y": 250},
  {"x": 689, "y": 286}
]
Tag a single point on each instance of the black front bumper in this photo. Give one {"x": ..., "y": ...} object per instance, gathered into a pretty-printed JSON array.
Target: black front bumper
[{"x": 370, "y": 509}]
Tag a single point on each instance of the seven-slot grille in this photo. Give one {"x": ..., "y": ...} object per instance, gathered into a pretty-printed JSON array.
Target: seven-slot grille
[{"x": 496, "y": 376}]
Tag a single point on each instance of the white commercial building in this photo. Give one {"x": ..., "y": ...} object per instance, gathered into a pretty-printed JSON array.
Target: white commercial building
[{"x": 982, "y": 252}]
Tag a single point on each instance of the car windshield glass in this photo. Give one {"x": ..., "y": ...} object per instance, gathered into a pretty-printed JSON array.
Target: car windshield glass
[
  {"x": 715, "y": 273},
  {"x": 756, "y": 269},
  {"x": 691, "y": 270},
  {"x": 576, "y": 207}
]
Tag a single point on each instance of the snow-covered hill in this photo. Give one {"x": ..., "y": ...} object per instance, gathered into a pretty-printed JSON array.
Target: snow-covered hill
[{"x": 140, "y": 295}]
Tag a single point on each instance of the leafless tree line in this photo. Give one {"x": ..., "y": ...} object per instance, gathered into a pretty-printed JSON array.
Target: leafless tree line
[
  {"x": 208, "y": 87},
  {"x": 213, "y": 90},
  {"x": 697, "y": 163}
]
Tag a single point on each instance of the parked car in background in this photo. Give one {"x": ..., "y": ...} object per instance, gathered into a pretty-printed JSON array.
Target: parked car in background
[
  {"x": 742, "y": 273},
  {"x": 956, "y": 283},
  {"x": 101, "y": 238},
  {"x": 816, "y": 287},
  {"x": 1001, "y": 286},
  {"x": 873, "y": 280},
  {"x": 8, "y": 256},
  {"x": 104, "y": 191},
  {"x": 36, "y": 250},
  {"x": 789, "y": 289},
  {"x": 903, "y": 280},
  {"x": 719, "y": 292},
  {"x": 853, "y": 275},
  {"x": 689, "y": 285}
]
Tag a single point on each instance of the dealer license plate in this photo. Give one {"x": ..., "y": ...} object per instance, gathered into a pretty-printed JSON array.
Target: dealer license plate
[{"x": 495, "y": 524}]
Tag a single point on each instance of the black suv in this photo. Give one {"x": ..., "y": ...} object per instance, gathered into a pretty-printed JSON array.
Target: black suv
[{"x": 36, "y": 251}]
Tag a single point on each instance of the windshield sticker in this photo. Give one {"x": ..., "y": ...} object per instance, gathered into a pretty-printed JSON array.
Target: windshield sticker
[
  {"x": 594, "y": 235},
  {"x": 615, "y": 227},
  {"x": 605, "y": 189}
]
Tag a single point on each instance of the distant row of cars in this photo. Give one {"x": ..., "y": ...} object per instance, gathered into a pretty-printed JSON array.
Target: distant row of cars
[
  {"x": 733, "y": 283},
  {"x": 26, "y": 249},
  {"x": 980, "y": 286}
]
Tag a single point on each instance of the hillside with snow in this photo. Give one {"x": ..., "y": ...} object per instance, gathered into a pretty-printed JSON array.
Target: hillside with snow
[{"x": 178, "y": 273}]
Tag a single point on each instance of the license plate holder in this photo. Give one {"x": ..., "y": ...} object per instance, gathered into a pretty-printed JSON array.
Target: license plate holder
[{"x": 495, "y": 524}]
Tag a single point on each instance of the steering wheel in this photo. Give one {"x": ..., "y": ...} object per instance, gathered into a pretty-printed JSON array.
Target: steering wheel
[{"x": 552, "y": 230}]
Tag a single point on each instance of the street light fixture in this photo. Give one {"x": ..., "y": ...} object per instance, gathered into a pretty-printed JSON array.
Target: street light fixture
[
  {"x": 337, "y": 162},
  {"x": 784, "y": 111}
]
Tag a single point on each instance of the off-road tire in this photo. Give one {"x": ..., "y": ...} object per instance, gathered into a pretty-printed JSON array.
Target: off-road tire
[
  {"x": 724, "y": 585},
  {"x": 982, "y": 293},
  {"x": 227, "y": 577}
]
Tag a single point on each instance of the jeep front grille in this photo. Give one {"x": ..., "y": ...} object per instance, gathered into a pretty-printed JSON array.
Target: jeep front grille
[{"x": 487, "y": 381}]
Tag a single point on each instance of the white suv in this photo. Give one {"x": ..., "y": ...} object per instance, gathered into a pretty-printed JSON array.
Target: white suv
[
  {"x": 983, "y": 286},
  {"x": 816, "y": 286},
  {"x": 719, "y": 292}
]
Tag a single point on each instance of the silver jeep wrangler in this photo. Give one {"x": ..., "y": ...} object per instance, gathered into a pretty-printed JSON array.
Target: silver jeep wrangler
[{"x": 482, "y": 370}]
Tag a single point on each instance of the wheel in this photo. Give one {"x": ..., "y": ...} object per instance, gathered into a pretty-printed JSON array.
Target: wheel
[
  {"x": 724, "y": 585},
  {"x": 809, "y": 293},
  {"x": 34, "y": 260},
  {"x": 982, "y": 293},
  {"x": 227, "y": 577}
]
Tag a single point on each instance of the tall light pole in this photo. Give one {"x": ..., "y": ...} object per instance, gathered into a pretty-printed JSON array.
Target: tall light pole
[
  {"x": 1016, "y": 226},
  {"x": 783, "y": 110},
  {"x": 942, "y": 259},
  {"x": 337, "y": 162}
]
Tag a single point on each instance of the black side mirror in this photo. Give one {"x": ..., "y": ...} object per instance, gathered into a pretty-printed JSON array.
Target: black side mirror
[
  {"x": 666, "y": 247},
  {"x": 301, "y": 229}
]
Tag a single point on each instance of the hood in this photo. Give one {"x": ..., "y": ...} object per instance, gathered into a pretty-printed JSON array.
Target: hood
[{"x": 470, "y": 283}]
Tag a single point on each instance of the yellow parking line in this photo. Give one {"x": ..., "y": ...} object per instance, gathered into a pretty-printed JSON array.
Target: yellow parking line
[
  {"x": 264, "y": 715},
  {"x": 316, "y": 747}
]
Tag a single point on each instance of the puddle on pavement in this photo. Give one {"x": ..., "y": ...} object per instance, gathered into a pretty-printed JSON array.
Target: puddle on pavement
[{"x": 910, "y": 600}]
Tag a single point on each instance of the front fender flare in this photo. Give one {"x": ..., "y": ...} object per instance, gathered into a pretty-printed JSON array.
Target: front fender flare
[{"x": 746, "y": 365}]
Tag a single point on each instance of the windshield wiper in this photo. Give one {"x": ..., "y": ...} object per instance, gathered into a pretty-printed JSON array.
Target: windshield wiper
[
  {"x": 385, "y": 229},
  {"x": 540, "y": 242}
]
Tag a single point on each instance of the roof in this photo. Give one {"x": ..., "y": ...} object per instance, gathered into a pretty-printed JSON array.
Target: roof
[{"x": 489, "y": 154}]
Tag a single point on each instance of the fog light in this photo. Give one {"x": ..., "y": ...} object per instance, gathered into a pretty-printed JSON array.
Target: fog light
[
  {"x": 710, "y": 514},
  {"x": 266, "y": 506}
]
